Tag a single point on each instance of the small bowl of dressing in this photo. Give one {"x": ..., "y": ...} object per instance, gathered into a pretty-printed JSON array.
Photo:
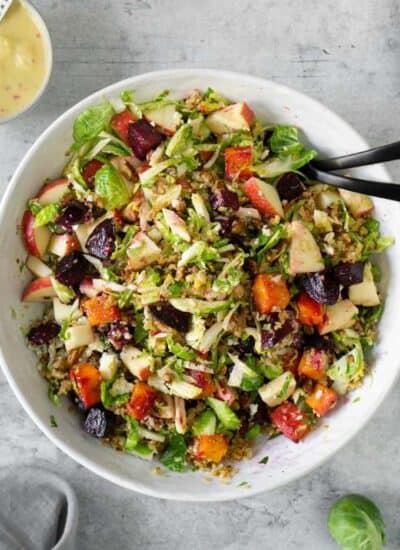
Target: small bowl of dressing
[{"x": 26, "y": 59}]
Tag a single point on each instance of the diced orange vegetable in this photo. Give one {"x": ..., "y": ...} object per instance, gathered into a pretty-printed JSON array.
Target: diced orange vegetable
[
  {"x": 204, "y": 381},
  {"x": 313, "y": 364},
  {"x": 270, "y": 292},
  {"x": 101, "y": 309},
  {"x": 87, "y": 381},
  {"x": 290, "y": 421},
  {"x": 120, "y": 123},
  {"x": 322, "y": 400},
  {"x": 310, "y": 312},
  {"x": 89, "y": 171},
  {"x": 237, "y": 162},
  {"x": 210, "y": 447},
  {"x": 142, "y": 400}
]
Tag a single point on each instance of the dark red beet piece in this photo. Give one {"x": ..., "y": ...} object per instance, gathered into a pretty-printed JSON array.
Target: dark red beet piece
[
  {"x": 348, "y": 273},
  {"x": 289, "y": 186},
  {"x": 225, "y": 226},
  {"x": 319, "y": 342},
  {"x": 73, "y": 268},
  {"x": 119, "y": 334},
  {"x": 170, "y": 316},
  {"x": 96, "y": 422},
  {"x": 272, "y": 336},
  {"x": 322, "y": 287},
  {"x": 143, "y": 137},
  {"x": 101, "y": 241},
  {"x": 224, "y": 198},
  {"x": 74, "y": 212},
  {"x": 267, "y": 339},
  {"x": 245, "y": 347},
  {"x": 43, "y": 333}
]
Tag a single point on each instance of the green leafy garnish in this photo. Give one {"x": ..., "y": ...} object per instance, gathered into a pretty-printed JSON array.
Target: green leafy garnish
[
  {"x": 53, "y": 421},
  {"x": 91, "y": 122},
  {"x": 46, "y": 215},
  {"x": 53, "y": 394},
  {"x": 173, "y": 457},
  {"x": 264, "y": 460},
  {"x": 182, "y": 352},
  {"x": 108, "y": 399},
  {"x": 253, "y": 432},
  {"x": 225, "y": 415},
  {"x": 140, "y": 333},
  {"x": 111, "y": 187}
]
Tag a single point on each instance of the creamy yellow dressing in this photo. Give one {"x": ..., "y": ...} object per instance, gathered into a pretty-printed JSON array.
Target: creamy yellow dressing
[{"x": 23, "y": 64}]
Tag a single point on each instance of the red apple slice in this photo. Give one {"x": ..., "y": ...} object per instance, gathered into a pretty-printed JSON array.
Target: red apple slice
[
  {"x": 142, "y": 252},
  {"x": 264, "y": 197},
  {"x": 166, "y": 118},
  {"x": 39, "y": 290},
  {"x": 359, "y": 205},
  {"x": 61, "y": 245},
  {"x": 339, "y": 316},
  {"x": 87, "y": 288},
  {"x": 36, "y": 238},
  {"x": 235, "y": 117},
  {"x": 304, "y": 253},
  {"x": 53, "y": 191},
  {"x": 38, "y": 268}
]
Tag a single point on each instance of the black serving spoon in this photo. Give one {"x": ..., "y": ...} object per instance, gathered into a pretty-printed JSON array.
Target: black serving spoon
[{"x": 321, "y": 170}]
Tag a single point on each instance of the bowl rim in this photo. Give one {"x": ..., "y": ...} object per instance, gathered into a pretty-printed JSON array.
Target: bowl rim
[
  {"x": 48, "y": 46},
  {"x": 45, "y": 428}
]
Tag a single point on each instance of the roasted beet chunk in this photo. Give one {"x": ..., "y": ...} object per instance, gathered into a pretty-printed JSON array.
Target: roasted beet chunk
[
  {"x": 268, "y": 339},
  {"x": 245, "y": 347},
  {"x": 101, "y": 241},
  {"x": 143, "y": 137},
  {"x": 289, "y": 186},
  {"x": 322, "y": 287},
  {"x": 225, "y": 225},
  {"x": 319, "y": 342},
  {"x": 274, "y": 335},
  {"x": 73, "y": 268},
  {"x": 96, "y": 422},
  {"x": 119, "y": 334},
  {"x": 348, "y": 273},
  {"x": 43, "y": 333},
  {"x": 73, "y": 212},
  {"x": 224, "y": 198},
  {"x": 170, "y": 316}
]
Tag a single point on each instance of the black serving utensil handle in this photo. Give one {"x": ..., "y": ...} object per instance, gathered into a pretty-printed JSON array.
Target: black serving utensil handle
[
  {"x": 385, "y": 153},
  {"x": 374, "y": 188}
]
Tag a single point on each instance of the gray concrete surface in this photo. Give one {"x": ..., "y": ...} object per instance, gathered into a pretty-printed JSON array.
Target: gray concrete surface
[{"x": 344, "y": 53}]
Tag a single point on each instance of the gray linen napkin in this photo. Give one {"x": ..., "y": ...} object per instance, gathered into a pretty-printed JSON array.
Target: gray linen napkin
[{"x": 38, "y": 510}]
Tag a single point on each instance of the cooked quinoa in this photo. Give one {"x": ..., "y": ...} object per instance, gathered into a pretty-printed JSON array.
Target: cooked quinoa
[{"x": 199, "y": 291}]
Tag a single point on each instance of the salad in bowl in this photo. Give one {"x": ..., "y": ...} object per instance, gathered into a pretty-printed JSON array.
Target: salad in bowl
[{"x": 199, "y": 291}]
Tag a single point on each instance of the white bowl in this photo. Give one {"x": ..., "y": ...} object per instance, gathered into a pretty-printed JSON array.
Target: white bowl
[
  {"x": 48, "y": 48},
  {"x": 287, "y": 461}
]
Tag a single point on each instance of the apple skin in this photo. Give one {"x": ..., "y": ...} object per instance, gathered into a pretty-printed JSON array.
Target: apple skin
[
  {"x": 235, "y": 117},
  {"x": 39, "y": 290},
  {"x": 53, "y": 191},
  {"x": 36, "y": 239},
  {"x": 264, "y": 197}
]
